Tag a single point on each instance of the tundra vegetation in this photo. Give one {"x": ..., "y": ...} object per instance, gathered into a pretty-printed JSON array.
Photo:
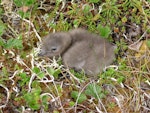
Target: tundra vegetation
[{"x": 29, "y": 83}]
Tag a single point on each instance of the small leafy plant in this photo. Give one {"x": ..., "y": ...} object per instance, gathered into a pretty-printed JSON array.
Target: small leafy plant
[
  {"x": 12, "y": 43},
  {"x": 33, "y": 99},
  {"x": 95, "y": 91},
  {"x": 104, "y": 31},
  {"x": 78, "y": 97},
  {"x": 92, "y": 90}
]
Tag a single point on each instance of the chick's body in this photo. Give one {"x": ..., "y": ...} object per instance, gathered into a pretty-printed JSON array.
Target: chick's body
[{"x": 80, "y": 50}]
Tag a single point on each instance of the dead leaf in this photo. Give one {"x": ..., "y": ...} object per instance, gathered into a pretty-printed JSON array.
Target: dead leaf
[
  {"x": 135, "y": 46},
  {"x": 24, "y": 8},
  {"x": 142, "y": 50}
]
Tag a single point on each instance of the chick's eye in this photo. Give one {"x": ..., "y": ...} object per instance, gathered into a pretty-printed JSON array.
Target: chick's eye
[{"x": 53, "y": 49}]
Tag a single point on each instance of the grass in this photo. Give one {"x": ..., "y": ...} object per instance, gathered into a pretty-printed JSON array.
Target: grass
[{"x": 29, "y": 83}]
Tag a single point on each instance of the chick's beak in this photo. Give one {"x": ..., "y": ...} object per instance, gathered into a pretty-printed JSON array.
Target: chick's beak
[{"x": 41, "y": 53}]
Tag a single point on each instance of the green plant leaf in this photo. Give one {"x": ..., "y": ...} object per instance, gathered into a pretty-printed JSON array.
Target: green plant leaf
[
  {"x": 24, "y": 2},
  {"x": 76, "y": 22},
  {"x": 18, "y": 4},
  {"x": 29, "y": 2},
  {"x": 1, "y": 10},
  {"x": 36, "y": 70},
  {"x": 5, "y": 72},
  {"x": 86, "y": 9},
  {"x": 14, "y": 43},
  {"x": 2, "y": 43},
  {"x": 24, "y": 79},
  {"x": 124, "y": 19},
  {"x": 33, "y": 98},
  {"x": 24, "y": 14},
  {"x": 51, "y": 71},
  {"x": 41, "y": 74},
  {"x": 45, "y": 102},
  {"x": 2, "y": 28},
  {"x": 104, "y": 31},
  {"x": 82, "y": 97},
  {"x": 120, "y": 79},
  {"x": 94, "y": 90},
  {"x": 94, "y": 1},
  {"x": 54, "y": 72},
  {"x": 71, "y": 103},
  {"x": 148, "y": 43}
]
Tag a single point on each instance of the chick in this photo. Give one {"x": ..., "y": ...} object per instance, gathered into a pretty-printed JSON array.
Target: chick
[
  {"x": 55, "y": 44},
  {"x": 80, "y": 50}
]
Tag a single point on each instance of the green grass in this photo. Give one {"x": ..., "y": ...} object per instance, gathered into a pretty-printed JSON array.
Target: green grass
[{"x": 32, "y": 82}]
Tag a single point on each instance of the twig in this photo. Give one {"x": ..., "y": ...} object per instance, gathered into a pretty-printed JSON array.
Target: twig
[
  {"x": 8, "y": 95},
  {"x": 32, "y": 25}
]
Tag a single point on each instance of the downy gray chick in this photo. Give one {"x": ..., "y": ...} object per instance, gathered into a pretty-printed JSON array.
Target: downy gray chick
[{"x": 80, "y": 50}]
